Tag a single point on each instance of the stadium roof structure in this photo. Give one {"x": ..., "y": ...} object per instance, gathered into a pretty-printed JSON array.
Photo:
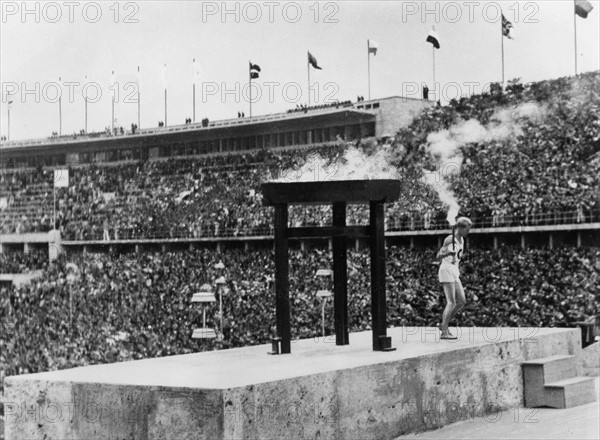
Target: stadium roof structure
[
  {"x": 258, "y": 123},
  {"x": 314, "y": 126}
]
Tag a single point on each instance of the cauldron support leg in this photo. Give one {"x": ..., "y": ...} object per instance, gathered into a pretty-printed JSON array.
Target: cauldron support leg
[
  {"x": 282, "y": 283},
  {"x": 381, "y": 342},
  {"x": 340, "y": 276}
]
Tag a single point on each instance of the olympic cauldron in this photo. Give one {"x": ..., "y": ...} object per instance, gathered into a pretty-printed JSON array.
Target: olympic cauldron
[{"x": 337, "y": 193}]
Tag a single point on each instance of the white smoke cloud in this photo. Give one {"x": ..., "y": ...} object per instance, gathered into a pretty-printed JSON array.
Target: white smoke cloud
[
  {"x": 446, "y": 196},
  {"x": 444, "y": 146},
  {"x": 355, "y": 164}
]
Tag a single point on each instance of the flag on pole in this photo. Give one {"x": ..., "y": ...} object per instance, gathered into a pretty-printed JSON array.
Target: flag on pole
[
  {"x": 197, "y": 72},
  {"x": 507, "y": 27},
  {"x": 583, "y": 8},
  {"x": 313, "y": 61},
  {"x": 433, "y": 38},
  {"x": 373, "y": 46},
  {"x": 61, "y": 178},
  {"x": 254, "y": 69},
  {"x": 163, "y": 76}
]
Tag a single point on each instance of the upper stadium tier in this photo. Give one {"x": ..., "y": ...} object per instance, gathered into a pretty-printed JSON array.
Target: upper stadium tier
[
  {"x": 315, "y": 125},
  {"x": 528, "y": 155}
]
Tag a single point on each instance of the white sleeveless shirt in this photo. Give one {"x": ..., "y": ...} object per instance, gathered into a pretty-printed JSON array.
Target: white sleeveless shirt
[{"x": 458, "y": 248}]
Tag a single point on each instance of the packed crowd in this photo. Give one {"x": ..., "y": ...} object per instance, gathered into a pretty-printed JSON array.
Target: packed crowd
[
  {"x": 547, "y": 173},
  {"x": 552, "y": 166},
  {"x": 135, "y": 306},
  {"x": 304, "y": 108},
  {"x": 84, "y": 134},
  {"x": 20, "y": 262}
]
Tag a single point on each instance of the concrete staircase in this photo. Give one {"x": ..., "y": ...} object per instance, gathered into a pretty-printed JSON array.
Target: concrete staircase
[{"x": 553, "y": 382}]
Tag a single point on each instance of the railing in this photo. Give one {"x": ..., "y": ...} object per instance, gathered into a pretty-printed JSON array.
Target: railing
[
  {"x": 99, "y": 136},
  {"x": 418, "y": 224},
  {"x": 501, "y": 221}
]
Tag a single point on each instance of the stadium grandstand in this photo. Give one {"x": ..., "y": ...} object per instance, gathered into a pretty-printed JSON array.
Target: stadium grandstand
[
  {"x": 146, "y": 216},
  {"x": 193, "y": 182}
]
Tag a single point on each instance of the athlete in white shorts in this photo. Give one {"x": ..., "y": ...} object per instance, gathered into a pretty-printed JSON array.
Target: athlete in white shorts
[{"x": 449, "y": 275}]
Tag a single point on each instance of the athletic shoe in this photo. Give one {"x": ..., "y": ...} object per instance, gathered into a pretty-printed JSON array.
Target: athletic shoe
[{"x": 440, "y": 328}]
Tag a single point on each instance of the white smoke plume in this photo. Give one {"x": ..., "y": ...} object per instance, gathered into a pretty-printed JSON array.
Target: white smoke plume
[
  {"x": 355, "y": 164},
  {"x": 444, "y": 146}
]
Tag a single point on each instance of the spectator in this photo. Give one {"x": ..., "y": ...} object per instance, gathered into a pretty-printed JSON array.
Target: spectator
[{"x": 135, "y": 306}]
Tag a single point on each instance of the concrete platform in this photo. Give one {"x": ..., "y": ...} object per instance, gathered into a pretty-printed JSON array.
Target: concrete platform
[
  {"x": 578, "y": 423},
  {"x": 589, "y": 360},
  {"x": 319, "y": 391}
]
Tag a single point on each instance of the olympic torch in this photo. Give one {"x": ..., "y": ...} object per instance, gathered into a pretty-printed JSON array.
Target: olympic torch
[{"x": 452, "y": 213}]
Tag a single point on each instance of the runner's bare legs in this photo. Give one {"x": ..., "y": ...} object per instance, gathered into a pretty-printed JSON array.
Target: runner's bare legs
[
  {"x": 450, "y": 292},
  {"x": 460, "y": 300}
]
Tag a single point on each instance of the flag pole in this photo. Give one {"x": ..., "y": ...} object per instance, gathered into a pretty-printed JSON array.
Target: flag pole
[
  {"x": 112, "y": 118},
  {"x": 139, "y": 98},
  {"x": 369, "y": 68},
  {"x": 502, "y": 44},
  {"x": 112, "y": 123},
  {"x": 575, "y": 36},
  {"x": 194, "y": 92},
  {"x": 434, "y": 86},
  {"x": 250, "y": 84},
  {"x": 60, "y": 111},
  {"x": 308, "y": 68},
  {"x": 8, "y": 117},
  {"x": 85, "y": 106}
]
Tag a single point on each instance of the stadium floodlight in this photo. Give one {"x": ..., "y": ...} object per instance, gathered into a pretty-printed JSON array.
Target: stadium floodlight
[
  {"x": 205, "y": 295},
  {"x": 221, "y": 290},
  {"x": 323, "y": 293}
]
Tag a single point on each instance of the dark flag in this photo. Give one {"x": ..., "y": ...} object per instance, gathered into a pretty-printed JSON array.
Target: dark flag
[
  {"x": 313, "y": 61},
  {"x": 254, "y": 69},
  {"x": 583, "y": 8},
  {"x": 373, "y": 46},
  {"x": 506, "y": 27},
  {"x": 433, "y": 38}
]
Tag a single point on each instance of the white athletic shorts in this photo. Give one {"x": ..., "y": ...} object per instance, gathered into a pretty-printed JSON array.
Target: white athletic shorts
[{"x": 448, "y": 273}]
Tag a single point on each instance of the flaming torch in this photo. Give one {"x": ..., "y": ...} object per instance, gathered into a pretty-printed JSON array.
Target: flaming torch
[{"x": 452, "y": 214}]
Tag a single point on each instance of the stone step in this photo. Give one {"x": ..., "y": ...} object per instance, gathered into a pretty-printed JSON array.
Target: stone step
[
  {"x": 538, "y": 372},
  {"x": 570, "y": 392},
  {"x": 554, "y": 368}
]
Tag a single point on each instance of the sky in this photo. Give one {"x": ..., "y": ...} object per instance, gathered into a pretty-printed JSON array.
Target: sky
[{"x": 83, "y": 42}]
